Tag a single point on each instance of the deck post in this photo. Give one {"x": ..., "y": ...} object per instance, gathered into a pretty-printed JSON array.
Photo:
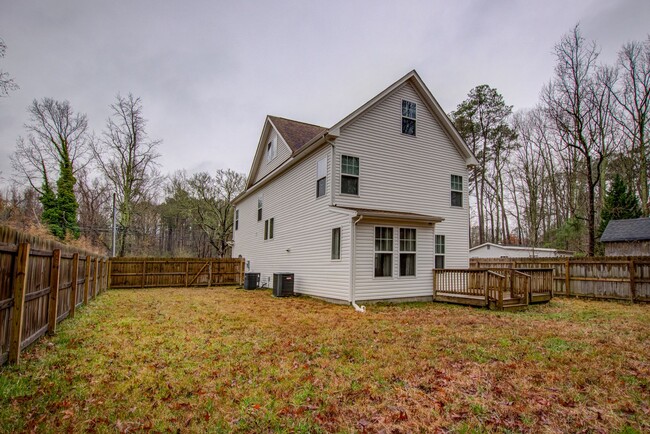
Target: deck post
[
  {"x": 435, "y": 283},
  {"x": 486, "y": 287},
  {"x": 87, "y": 279}
]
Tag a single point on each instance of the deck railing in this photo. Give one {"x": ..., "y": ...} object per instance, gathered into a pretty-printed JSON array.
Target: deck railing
[
  {"x": 520, "y": 285},
  {"x": 470, "y": 282}
]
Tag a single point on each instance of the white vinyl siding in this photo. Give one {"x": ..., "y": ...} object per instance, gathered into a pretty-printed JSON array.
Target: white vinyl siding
[
  {"x": 282, "y": 150},
  {"x": 302, "y": 234},
  {"x": 420, "y": 182},
  {"x": 369, "y": 287}
]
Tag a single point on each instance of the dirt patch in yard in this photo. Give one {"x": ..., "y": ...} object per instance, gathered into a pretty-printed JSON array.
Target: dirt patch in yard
[{"x": 224, "y": 360}]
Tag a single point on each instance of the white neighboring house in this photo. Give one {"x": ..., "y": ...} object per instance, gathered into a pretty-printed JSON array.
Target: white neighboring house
[
  {"x": 363, "y": 210},
  {"x": 490, "y": 250}
]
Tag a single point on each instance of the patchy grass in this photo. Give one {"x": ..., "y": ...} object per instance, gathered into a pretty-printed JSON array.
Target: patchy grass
[{"x": 224, "y": 360}]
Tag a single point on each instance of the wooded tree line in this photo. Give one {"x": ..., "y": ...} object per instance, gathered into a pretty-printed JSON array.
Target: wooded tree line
[
  {"x": 74, "y": 176},
  {"x": 544, "y": 174}
]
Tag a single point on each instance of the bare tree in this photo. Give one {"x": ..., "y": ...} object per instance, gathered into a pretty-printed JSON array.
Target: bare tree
[
  {"x": 632, "y": 96},
  {"x": 127, "y": 158},
  {"x": 571, "y": 102},
  {"x": 7, "y": 84},
  {"x": 56, "y": 137},
  {"x": 214, "y": 207}
]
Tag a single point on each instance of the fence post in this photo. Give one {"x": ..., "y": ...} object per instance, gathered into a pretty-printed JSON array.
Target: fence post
[
  {"x": 21, "y": 267},
  {"x": 242, "y": 269},
  {"x": 54, "y": 290},
  {"x": 110, "y": 271},
  {"x": 96, "y": 277},
  {"x": 73, "y": 290},
  {"x": 87, "y": 279},
  {"x": 210, "y": 273},
  {"x": 187, "y": 272},
  {"x": 435, "y": 284},
  {"x": 144, "y": 270},
  {"x": 486, "y": 287},
  {"x": 567, "y": 277},
  {"x": 632, "y": 269}
]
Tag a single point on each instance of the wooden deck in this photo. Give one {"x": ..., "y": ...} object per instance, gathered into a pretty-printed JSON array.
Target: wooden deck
[{"x": 502, "y": 290}]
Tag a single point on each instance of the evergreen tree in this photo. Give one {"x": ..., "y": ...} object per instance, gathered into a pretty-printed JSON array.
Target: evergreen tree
[
  {"x": 50, "y": 214},
  {"x": 620, "y": 203},
  {"x": 67, "y": 202}
]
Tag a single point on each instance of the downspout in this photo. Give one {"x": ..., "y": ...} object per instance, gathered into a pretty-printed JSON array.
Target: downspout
[
  {"x": 353, "y": 225},
  {"x": 333, "y": 154}
]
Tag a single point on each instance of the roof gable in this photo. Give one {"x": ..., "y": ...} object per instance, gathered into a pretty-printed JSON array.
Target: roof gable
[
  {"x": 627, "y": 230},
  {"x": 296, "y": 134}
]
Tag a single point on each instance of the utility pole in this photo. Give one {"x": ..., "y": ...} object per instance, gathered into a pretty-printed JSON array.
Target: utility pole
[{"x": 114, "y": 228}]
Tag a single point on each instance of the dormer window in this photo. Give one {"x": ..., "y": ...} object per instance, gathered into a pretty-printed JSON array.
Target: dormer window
[
  {"x": 408, "y": 117},
  {"x": 271, "y": 150}
]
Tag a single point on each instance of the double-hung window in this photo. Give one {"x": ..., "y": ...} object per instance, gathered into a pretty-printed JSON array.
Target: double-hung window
[
  {"x": 236, "y": 219},
  {"x": 260, "y": 203},
  {"x": 383, "y": 252},
  {"x": 408, "y": 117},
  {"x": 349, "y": 175},
  {"x": 336, "y": 243},
  {"x": 271, "y": 150},
  {"x": 456, "y": 190},
  {"x": 321, "y": 177},
  {"x": 440, "y": 251},
  {"x": 407, "y": 249},
  {"x": 268, "y": 229}
]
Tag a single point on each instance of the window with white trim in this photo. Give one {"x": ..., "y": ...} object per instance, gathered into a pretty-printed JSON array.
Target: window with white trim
[
  {"x": 260, "y": 203},
  {"x": 383, "y": 251},
  {"x": 321, "y": 177},
  {"x": 268, "y": 229},
  {"x": 408, "y": 117},
  {"x": 456, "y": 190},
  {"x": 271, "y": 150},
  {"x": 349, "y": 175},
  {"x": 440, "y": 252},
  {"x": 336, "y": 243},
  {"x": 407, "y": 249},
  {"x": 236, "y": 219}
]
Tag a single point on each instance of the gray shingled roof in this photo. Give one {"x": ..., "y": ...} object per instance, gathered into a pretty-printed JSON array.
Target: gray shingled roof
[{"x": 627, "y": 230}]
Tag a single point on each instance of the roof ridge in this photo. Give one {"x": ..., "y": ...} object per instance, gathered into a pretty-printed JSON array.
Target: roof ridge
[{"x": 293, "y": 120}]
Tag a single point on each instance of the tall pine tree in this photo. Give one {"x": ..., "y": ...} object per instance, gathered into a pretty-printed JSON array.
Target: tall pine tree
[{"x": 620, "y": 203}]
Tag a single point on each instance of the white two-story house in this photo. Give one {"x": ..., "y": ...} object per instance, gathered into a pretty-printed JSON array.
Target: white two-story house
[{"x": 363, "y": 210}]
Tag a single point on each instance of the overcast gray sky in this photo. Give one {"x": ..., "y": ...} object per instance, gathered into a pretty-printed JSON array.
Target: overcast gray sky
[{"x": 209, "y": 72}]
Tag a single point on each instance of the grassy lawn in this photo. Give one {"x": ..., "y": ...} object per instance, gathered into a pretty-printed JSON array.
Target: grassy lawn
[{"x": 223, "y": 360}]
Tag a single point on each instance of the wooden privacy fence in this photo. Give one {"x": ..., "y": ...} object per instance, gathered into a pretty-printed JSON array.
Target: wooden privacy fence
[
  {"x": 40, "y": 287},
  {"x": 174, "y": 272},
  {"x": 614, "y": 278}
]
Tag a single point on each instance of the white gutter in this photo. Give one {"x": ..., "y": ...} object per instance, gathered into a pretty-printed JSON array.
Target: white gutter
[{"x": 353, "y": 224}]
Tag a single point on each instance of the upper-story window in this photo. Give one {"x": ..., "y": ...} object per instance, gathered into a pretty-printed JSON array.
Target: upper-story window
[
  {"x": 321, "y": 177},
  {"x": 271, "y": 150},
  {"x": 236, "y": 219},
  {"x": 456, "y": 190},
  {"x": 408, "y": 117},
  {"x": 260, "y": 203},
  {"x": 349, "y": 175},
  {"x": 268, "y": 229}
]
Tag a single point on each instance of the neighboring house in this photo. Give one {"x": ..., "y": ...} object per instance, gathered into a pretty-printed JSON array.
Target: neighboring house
[
  {"x": 490, "y": 250},
  {"x": 363, "y": 210},
  {"x": 630, "y": 237}
]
